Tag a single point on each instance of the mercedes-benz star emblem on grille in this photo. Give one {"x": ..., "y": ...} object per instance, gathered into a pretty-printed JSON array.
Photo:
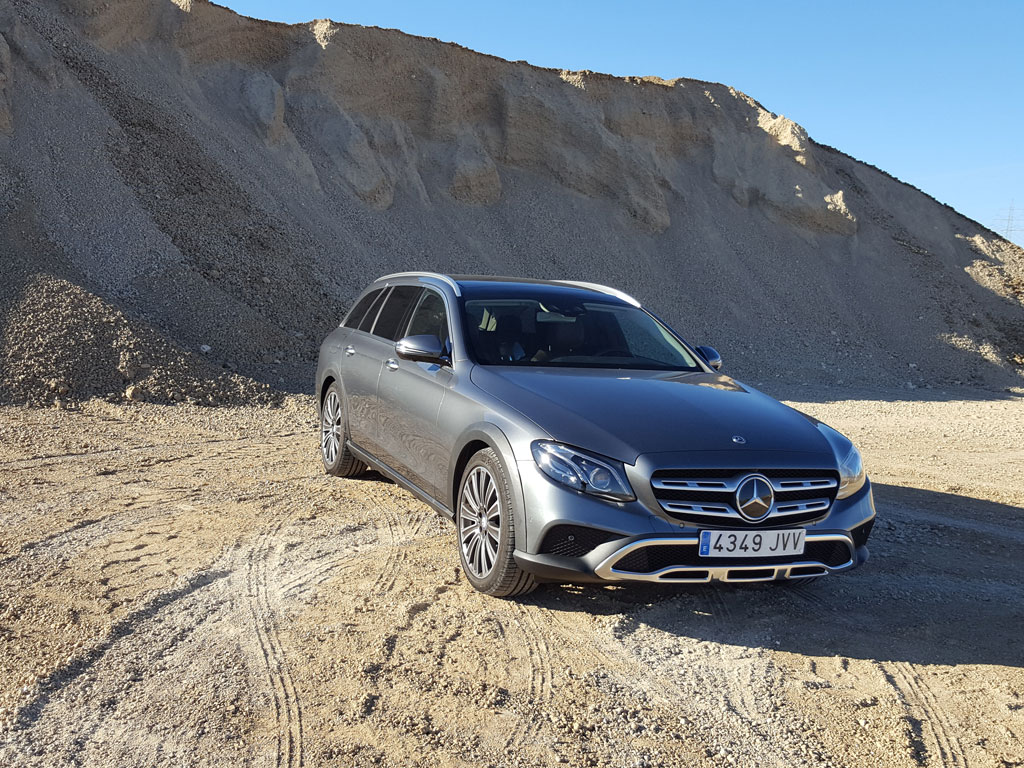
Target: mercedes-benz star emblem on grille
[
  {"x": 739, "y": 439},
  {"x": 754, "y": 497}
]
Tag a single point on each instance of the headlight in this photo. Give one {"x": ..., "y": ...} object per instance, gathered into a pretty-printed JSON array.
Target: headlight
[
  {"x": 582, "y": 471},
  {"x": 851, "y": 474},
  {"x": 851, "y": 467}
]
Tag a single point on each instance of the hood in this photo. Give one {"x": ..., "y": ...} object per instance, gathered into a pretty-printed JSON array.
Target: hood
[{"x": 623, "y": 414}]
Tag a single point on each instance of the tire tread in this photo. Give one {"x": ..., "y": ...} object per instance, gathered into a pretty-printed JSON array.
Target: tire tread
[
  {"x": 513, "y": 580},
  {"x": 346, "y": 465}
]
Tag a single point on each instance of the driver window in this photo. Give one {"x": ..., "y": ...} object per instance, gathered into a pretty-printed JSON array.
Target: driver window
[{"x": 430, "y": 318}]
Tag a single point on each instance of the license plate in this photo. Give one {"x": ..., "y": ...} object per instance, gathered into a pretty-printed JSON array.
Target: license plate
[{"x": 752, "y": 544}]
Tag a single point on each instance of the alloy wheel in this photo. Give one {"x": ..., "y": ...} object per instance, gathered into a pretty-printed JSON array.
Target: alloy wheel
[
  {"x": 480, "y": 522},
  {"x": 331, "y": 429}
]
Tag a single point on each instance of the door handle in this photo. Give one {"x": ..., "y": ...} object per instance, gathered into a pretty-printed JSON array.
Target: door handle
[
  {"x": 350, "y": 350},
  {"x": 391, "y": 364}
]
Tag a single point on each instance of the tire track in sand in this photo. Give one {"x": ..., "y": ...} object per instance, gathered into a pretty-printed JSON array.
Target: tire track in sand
[
  {"x": 930, "y": 732},
  {"x": 539, "y": 661},
  {"x": 287, "y": 708}
]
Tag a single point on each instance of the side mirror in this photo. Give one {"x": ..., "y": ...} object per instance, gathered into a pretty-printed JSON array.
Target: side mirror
[
  {"x": 425, "y": 348},
  {"x": 710, "y": 354}
]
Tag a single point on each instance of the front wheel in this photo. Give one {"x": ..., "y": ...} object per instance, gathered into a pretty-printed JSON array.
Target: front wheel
[
  {"x": 337, "y": 458},
  {"x": 486, "y": 529}
]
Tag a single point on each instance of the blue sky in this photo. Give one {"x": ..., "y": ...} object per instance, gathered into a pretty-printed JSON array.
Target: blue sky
[{"x": 932, "y": 92}]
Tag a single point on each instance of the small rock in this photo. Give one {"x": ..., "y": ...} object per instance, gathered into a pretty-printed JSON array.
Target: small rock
[{"x": 132, "y": 393}]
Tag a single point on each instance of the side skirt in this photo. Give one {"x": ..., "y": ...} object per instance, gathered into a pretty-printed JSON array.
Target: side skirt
[{"x": 400, "y": 479}]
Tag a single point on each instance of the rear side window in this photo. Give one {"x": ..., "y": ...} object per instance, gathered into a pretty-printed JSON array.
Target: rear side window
[
  {"x": 396, "y": 308},
  {"x": 366, "y": 322},
  {"x": 359, "y": 310}
]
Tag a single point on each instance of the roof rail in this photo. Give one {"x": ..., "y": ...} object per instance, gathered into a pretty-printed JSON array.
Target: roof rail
[
  {"x": 435, "y": 275},
  {"x": 602, "y": 289}
]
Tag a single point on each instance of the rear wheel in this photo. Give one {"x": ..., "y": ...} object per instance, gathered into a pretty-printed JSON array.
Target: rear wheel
[
  {"x": 338, "y": 459},
  {"x": 486, "y": 529}
]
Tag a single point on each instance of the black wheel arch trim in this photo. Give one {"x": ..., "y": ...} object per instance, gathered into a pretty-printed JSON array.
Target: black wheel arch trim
[{"x": 492, "y": 436}]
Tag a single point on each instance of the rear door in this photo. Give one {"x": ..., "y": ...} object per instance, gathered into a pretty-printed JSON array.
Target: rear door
[
  {"x": 410, "y": 395},
  {"x": 361, "y": 361}
]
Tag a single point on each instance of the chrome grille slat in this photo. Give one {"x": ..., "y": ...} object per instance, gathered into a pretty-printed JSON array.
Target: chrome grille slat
[
  {"x": 678, "y": 506},
  {"x": 695, "y": 485},
  {"x": 792, "y": 485},
  {"x": 815, "y": 505}
]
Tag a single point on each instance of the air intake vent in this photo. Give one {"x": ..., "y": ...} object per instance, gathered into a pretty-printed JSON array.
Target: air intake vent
[{"x": 575, "y": 540}]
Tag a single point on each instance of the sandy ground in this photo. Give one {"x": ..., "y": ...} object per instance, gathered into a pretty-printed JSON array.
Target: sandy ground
[{"x": 183, "y": 586}]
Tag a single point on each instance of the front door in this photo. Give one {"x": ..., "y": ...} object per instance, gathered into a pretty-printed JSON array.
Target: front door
[{"x": 410, "y": 396}]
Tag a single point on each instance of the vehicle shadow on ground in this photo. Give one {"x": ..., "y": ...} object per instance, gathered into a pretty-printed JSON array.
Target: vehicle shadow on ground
[{"x": 944, "y": 585}]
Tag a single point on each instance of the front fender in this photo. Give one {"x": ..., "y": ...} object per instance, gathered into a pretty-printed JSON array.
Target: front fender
[{"x": 492, "y": 436}]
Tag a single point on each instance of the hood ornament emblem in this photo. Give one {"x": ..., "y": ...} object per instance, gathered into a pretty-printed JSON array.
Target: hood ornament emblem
[{"x": 739, "y": 439}]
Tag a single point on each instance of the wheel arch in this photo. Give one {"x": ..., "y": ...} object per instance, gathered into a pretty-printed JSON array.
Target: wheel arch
[
  {"x": 331, "y": 377},
  {"x": 324, "y": 385},
  {"x": 477, "y": 438}
]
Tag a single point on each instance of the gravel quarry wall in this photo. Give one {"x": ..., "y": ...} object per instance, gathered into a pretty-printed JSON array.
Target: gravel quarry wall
[{"x": 190, "y": 199}]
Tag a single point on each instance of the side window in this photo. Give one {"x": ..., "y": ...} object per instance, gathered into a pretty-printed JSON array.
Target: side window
[
  {"x": 357, "y": 312},
  {"x": 430, "y": 317},
  {"x": 366, "y": 323},
  {"x": 395, "y": 310}
]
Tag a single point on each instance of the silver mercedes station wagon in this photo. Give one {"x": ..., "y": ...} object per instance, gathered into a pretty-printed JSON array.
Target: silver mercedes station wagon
[{"x": 572, "y": 436}]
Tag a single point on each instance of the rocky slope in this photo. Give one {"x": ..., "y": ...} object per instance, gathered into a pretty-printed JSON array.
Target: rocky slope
[{"x": 189, "y": 199}]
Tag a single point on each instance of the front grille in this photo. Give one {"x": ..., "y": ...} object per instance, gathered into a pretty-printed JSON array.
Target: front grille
[
  {"x": 708, "y": 496},
  {"x": 653, "y": 558},
  {"x": 574, "y": 540}
]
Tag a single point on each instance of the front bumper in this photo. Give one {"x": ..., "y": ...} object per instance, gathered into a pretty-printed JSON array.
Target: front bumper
[
  {"x": 835, "y": 543},
  {"x": 601, "y": 564}
]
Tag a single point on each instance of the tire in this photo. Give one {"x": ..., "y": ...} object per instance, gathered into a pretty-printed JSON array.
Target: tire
[
  {"x": 486, "y": 549},
  {"x": 337, "y": 458}
]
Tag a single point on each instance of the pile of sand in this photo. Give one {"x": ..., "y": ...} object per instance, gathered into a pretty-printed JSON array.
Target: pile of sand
[{"x": 215, "y": 181}]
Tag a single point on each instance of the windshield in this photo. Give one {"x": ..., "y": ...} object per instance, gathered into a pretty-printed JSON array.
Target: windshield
[{"x": 571, "y": 333}]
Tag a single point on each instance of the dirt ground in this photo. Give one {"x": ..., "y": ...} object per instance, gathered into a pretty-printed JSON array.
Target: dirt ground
[{"x": 183, "y": 586}]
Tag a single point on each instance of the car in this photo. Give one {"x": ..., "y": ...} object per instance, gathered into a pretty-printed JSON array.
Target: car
[{"x": 572, "y": 436}]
